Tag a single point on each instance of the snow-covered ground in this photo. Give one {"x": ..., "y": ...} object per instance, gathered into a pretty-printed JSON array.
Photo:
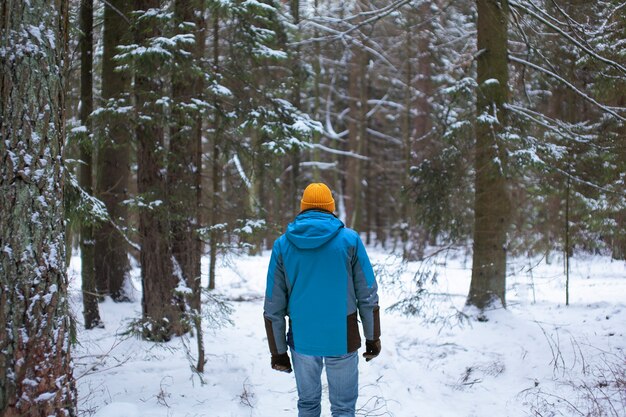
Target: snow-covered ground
[{"x": 528, "y": 360}]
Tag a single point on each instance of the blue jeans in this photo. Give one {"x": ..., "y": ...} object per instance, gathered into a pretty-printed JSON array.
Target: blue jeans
[{"x": 343, "y": 383}]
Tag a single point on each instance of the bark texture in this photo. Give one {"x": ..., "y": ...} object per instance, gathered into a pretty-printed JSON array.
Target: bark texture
[
  {"x": 91, "y": 312},
  {"x": 491, "y": 205},
  {"x": 35, "y": 367},
  {"x": 113, "y": 159}
]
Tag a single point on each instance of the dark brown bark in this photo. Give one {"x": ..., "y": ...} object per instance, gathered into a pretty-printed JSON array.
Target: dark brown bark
[
  {"x": 185, "y": 166},
  {"x": 91, "y": 312},
  {"x": 491, "y": 205},
  {"x": 216, "y": 168},
  {"x": 113, "y": 168},
  {"x": 162, "y": 307},
  {"x": 35, "y": 368}
]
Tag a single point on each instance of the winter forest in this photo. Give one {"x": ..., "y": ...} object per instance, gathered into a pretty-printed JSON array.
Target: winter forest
[{"x": 152, "y": 151}]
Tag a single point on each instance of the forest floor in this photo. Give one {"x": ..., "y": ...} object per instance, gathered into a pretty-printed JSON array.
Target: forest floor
[{"x": 536, "y": 358}]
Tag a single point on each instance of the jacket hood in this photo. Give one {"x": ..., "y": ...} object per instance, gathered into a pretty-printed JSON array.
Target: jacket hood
[{"x": 312, "y": 229}]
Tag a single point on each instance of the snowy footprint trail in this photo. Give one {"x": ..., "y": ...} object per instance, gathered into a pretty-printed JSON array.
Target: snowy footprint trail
[{"x": 506, "y": 366}]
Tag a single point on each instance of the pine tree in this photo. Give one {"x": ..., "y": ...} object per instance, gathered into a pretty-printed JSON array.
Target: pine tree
[
  {"x": 35, "y": 328},
  {"x": 161, "y": 275}
]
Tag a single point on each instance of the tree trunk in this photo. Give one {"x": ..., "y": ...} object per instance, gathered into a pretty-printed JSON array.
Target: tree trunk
[
  {"x": 113, "y": 158},
  {"x": 161, "y": 306},
  {"x": 185, "y": 167},
  {"x": 491, "y": 205},
  {"x": 406, "y": 212},
  {"x": 317, "y": 93},
  {"x": 357, "y": 126},
  {"x": 35, "y": 329},
  {"x": 216, "y": 167},
  {"x": 298, "y": 81},
  {"x": 91, "y": 311}
]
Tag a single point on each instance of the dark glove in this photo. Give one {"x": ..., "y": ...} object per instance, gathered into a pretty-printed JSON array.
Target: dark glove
[
  {"x": 372, "y": 349},
  {"x": 281, "y": 362}
]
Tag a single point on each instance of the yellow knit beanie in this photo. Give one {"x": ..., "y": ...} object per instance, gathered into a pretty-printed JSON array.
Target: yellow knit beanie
[{"x": 317, "y": 195}]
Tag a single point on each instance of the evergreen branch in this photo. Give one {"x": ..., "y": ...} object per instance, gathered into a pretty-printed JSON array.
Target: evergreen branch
[{"x": 99, "y": 210}]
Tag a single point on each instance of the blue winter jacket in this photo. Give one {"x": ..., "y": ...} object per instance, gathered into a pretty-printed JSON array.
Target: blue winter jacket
[{"x": 320, "y": 276}]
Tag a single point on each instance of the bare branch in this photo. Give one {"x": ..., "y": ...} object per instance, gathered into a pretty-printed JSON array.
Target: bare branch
[{"x": 569, "y": 37}]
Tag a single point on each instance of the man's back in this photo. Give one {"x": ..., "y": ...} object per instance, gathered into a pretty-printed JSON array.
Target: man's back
[{"x": 320, "y": 269}]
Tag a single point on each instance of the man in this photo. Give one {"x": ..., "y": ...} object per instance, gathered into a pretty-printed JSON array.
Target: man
[{"x": 320, "y": 276}]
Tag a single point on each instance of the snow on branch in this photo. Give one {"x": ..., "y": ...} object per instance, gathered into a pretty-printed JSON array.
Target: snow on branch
[
  {"x": 604, "y": 108},
  {"x": 561, "y": 129},
  {"x": 339, "y": 152},
  {"x": 376, "y": 15},
  {"x": 566, "y": 35}
]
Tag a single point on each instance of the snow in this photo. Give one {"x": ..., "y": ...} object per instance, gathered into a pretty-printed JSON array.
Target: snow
[
  {"x": 260, "y": 5},
  {"x": 437, "y": 365},
  {"x": 491, "y": 82},
  {"x": 118, "y": 409},
  {"x": 46, "y": 396},
  {"x": 79, "y": 129},
  {"x": 264, "y": 51}
]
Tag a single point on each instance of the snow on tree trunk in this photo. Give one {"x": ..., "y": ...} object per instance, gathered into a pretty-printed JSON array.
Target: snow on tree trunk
[
  {"x": 491, "y": 205},
  {"x": 35, "y": 367}
]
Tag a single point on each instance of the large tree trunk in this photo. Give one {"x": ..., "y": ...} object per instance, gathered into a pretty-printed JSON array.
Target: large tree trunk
[
  {"x": 35, "y": 367},
  {"x": 491, "y": 205},
  {"x": 160, "y": 304},
  {"x": 91, "y": 312},
  {"x": 185, "y": 167},
  {"x": 113, "y": 158}
]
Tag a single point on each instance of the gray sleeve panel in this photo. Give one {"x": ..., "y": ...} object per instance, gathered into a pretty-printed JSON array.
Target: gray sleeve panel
[
  {"x": 352, "y": 303},
  {"x": 277, "y": 300},
  {"x": 366, "y": 289}
]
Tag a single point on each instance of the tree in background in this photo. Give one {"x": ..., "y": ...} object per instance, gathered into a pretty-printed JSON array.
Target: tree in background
[
  {"x": 185, "y": 152},
  {"x": 91, "y": 311},
  {"x": 35, "y": 367},
  {"x": 491, "y": 198},
  {"x": 113, "y": 166},
  {"x": 149, "y": 60}
]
